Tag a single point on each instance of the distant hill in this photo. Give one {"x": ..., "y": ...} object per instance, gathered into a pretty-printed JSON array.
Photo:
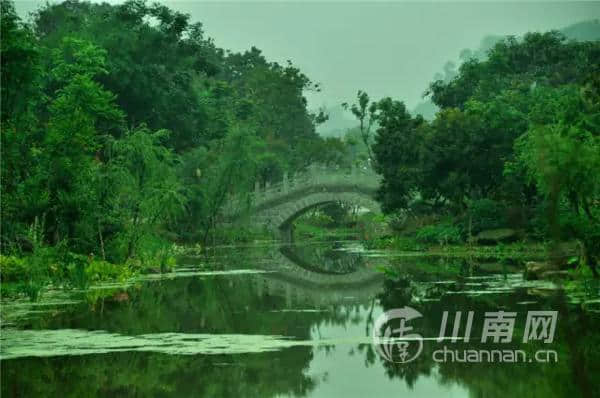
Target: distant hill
[
  {"x": 340, "y": 120},
  {"x": 581, "y": 31},
  {"x": 338, "y": 123}
]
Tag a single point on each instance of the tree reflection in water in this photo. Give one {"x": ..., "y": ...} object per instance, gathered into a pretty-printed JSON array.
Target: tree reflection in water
[{"x": 264, "y": 304}]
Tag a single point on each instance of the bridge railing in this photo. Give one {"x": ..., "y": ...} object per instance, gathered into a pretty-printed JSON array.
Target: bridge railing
[{"x": 314, "y": 176}]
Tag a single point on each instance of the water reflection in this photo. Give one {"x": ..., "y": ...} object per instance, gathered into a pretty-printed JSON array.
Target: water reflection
[
  {"x": 334, "y": 259},
  {"x": 289, "y": 333}
]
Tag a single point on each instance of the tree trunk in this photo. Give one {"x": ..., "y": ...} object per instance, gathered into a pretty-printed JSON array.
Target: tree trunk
[
  {"x": 586, "y": 208},
  {"x": 101, "y": 242}
]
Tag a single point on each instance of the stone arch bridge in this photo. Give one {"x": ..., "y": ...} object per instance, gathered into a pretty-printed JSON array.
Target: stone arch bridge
[{"x": 275, "y": 207}]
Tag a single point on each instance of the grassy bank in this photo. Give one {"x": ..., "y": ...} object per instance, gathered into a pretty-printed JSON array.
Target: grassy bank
[
  {"x": 518, "y": 250},
  {"x": 29, "y": 274},
  {"x": 43, "y": 267}
]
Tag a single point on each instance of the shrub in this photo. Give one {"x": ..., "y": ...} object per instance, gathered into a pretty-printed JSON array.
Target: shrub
[
  {"x": 12, "y": 269},
  {"x": 236, "y": 234},
  {"x": 319, "y": 219},
  {"x": 485, "y": 214},
  {"x": 156, "y": 253},
  {"x": 443, "y": 233},
  {"x": 28, "y": 275},
  {"x": 336, "y": 212},
  {"x": 587, "y": 232},
  {"x": 99, "y": 270},
  {"x": 397, "y": 220}
]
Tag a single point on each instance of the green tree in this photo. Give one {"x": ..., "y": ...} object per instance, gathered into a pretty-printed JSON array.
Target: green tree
[
  {"x": 80, "y": 115},
  {"x": 397, "y": 151},
  {"x": 228, "y": 170},
  {"x": 20, "y": 93},
  {"x": 561, "y": 154},
  {"x": 366, "y": 114},
  {"x": 149, "y": 194},
  {"x": 20, "y": 57},
  {"x": 154, "y": 69}
]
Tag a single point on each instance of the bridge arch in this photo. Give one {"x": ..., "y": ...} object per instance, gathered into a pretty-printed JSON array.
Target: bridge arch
[
  {"x": 277, "y": 206},
  {"x": 280, "y": 218}
]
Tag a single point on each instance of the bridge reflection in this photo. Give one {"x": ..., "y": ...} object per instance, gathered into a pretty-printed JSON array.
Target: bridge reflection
[{"x": 301, "y": 280}]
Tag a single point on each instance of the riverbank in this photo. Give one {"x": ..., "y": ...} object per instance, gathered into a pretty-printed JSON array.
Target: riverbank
[
  {"x": 376, "y": 234},
  {"x": 50, "y": 267},
  {"x": 536, "y": 259}
]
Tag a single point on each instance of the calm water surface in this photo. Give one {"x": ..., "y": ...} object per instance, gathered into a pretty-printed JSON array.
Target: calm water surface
[{"x": 293, "y": 321}]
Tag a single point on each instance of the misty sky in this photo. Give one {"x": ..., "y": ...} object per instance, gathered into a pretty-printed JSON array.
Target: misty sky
[{"x": 387, "y": 49}]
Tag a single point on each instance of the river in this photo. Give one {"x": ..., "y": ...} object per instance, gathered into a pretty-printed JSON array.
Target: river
[{"x": 265, "y": 320}]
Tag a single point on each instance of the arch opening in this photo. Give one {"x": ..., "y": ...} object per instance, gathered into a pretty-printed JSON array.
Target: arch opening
[{"x": 286, "y": 220}]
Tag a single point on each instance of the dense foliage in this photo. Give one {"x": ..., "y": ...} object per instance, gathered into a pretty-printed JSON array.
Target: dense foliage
[
  {"x": 517, "y": 130},
  {"x": 124, "y": 127}
]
